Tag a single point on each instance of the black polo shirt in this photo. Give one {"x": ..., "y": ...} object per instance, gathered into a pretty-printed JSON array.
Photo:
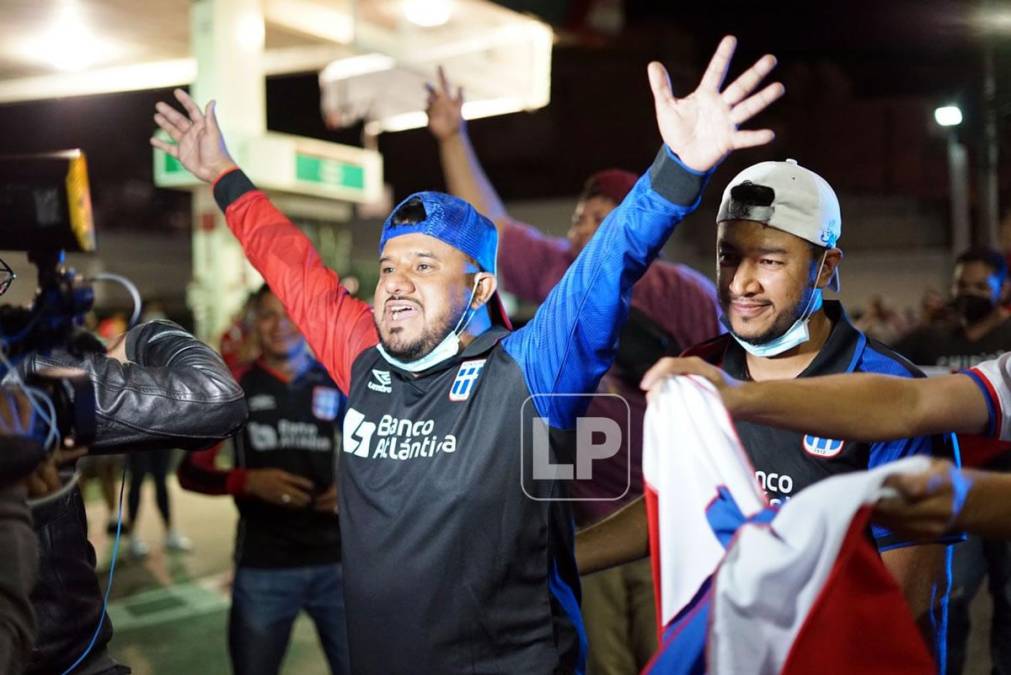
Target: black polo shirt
[{"x": 785, "y": 461}]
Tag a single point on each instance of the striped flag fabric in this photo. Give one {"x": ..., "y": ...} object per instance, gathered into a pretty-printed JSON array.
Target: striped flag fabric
[{"x": 743, "y": 587}]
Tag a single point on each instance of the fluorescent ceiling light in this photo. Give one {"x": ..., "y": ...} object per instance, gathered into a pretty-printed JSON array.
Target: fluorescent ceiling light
[
  {"x": 948, "y": 116},
  {"x": 428, "y": 13},
  {"x": 67, "y": 42}
]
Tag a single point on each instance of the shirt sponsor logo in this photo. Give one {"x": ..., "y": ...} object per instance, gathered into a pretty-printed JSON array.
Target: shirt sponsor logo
[
  {"x": 394, "y": 438},
  {"x": 326, "y": 403},
  {"x": 287, "y": 435},
  {"x": 262, "y": 402},
  {"x": 777, "y": 486},
  {"x": 382, "y": 381},
  {"x": 822, "y": 447},
  {"x": 465, "y": 379}
]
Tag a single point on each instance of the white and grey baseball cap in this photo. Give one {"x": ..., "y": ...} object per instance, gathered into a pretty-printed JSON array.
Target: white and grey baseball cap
[{"x": 788, "y": 197}]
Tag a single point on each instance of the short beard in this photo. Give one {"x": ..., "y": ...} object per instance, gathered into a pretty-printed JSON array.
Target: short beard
[
  {"x": 425, "y": 343},
  {"x": 782, "y": 324}
]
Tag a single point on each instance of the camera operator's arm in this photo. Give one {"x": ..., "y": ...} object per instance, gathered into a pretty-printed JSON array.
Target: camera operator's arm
[{"x": 172, "y": 392}]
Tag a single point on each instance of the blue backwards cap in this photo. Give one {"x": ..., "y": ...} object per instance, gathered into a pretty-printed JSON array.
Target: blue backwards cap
[{"x": 453, "y": 221}]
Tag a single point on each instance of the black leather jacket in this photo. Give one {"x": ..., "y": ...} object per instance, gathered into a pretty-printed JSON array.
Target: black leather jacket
[{"x": 175, "y": 393}]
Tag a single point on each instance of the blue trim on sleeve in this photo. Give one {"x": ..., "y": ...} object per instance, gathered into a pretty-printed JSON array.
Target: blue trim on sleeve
[
  {"x": 991, "y": 410},
  {"x": 567, "y": 599},
  {"x": 858, "y": 353}
]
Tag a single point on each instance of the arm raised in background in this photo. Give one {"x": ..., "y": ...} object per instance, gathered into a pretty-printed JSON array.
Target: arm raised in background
[
  {"x": 336, "y": 325},
  {"x": 571, "y": 340},
  {"x": 465, "y": 177}
]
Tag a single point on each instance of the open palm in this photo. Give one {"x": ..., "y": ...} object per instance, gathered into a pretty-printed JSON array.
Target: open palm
[
  {"x": 444, "y": 108},
  {"x": 702, "y": 128},
  {"x": 198, "y": 143}
]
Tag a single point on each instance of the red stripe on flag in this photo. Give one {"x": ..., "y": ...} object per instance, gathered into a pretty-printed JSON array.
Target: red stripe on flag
[
  {"x": 860, "y": 622},
  {"x": 653, "y": 523}
]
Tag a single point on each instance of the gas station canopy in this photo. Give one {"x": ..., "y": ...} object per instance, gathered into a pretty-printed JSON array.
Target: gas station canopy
[{"x": 373, "y": 56}]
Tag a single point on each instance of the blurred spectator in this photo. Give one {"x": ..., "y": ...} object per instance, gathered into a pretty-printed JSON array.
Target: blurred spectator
[
  {"x": 980, "y": 330},
  {"x": 881, "y": 322},
  {"x": 157, "y": 464},
  {"x": 107, "y": 470},
  {"x": 934, "y": 308},
  {"x": 287, "y": 548},
  {"x": 111, "y": 327}
]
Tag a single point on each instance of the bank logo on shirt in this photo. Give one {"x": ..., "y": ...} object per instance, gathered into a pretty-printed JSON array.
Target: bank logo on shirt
[
  {"x": 357, "y": 433},
  {"x": 326, "y": 403},
  {"x": 382, "y": 381},
  {"x": 465, "y": 379},
  {"x": 822, "y": 447},
  {"x": 393, "y": 438},
  {"x": 262, "y": 402}
]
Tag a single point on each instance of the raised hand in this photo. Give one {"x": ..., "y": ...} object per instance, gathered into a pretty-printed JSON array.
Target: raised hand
[
  {"x": 701, "y": 128},
  {"x": 198, "y": 143},
  {"x": 445, "y": 110}
]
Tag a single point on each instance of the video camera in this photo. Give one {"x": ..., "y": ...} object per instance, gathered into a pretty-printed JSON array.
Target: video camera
[{"x": 45, "y": 210}]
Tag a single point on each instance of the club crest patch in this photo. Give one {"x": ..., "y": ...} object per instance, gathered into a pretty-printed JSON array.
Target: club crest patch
[
  {"x": 466, "y": 376},
  {"x": 822, "y": 447},
  {"x": 325, "y": 403}
]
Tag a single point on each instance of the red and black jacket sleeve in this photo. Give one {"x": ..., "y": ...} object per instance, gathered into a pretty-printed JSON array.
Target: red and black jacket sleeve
[{"x": 337, "y": 326}]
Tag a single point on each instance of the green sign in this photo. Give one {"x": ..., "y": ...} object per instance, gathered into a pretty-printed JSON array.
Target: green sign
[
  {"x": 312, "y": 169},
  {"x": 172, "y": 165}
]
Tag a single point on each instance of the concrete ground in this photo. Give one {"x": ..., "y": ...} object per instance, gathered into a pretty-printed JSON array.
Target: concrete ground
[{"x": 170, "y": 611}]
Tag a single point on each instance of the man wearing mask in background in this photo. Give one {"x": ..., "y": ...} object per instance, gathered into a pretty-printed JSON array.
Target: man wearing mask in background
[
  {"x": 981, "y": 332},
  {"x": 779, "y": 224},
  {"x": 673, "y": 307}
]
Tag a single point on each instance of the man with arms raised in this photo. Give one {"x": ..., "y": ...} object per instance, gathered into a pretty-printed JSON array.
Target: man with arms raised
[
  {"x": 450, "y": 567},
  {"x": 672, "y": 307}
]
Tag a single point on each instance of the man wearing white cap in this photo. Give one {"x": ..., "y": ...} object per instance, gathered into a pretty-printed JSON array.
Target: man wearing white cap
[{"x": 778, "y": 229}]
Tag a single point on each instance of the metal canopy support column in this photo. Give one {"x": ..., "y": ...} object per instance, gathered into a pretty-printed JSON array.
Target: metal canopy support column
[{"x": 227, "y": 39}]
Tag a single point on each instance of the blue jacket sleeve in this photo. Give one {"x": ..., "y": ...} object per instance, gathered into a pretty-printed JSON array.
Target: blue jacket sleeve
[{"x": 572, "y": 339}]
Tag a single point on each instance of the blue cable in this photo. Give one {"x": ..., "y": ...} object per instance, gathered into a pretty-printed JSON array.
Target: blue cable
[{"x": 108, "y": 587}]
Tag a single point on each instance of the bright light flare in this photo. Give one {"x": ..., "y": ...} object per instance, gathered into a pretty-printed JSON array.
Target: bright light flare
[
  {"x": 428, "y": 13},
  {"x": 948, "y": 116},
  {"x": 67, "y": 43}
]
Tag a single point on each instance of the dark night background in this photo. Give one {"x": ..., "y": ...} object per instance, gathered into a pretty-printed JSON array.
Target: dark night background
[{"x": 862, "y": 81}]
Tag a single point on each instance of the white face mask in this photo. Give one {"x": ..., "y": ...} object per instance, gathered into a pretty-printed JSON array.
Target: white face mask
[
  {"x": 796, "y": 334},
  {"x": 447, "y": 349}
]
